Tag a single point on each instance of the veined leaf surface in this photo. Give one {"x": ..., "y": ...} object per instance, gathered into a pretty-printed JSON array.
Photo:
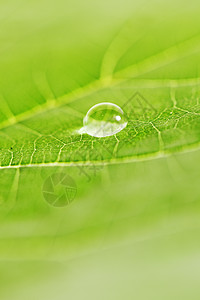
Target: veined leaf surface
[{"x": 134, "y": 222}]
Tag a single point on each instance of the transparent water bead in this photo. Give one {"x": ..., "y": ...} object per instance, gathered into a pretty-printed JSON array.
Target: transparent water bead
[{"x": 104, "y": 119}]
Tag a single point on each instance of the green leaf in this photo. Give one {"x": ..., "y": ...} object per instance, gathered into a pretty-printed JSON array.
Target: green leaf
[{"x": 132, "y": 216}]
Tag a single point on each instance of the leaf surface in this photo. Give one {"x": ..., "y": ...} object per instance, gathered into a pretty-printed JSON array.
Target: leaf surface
[{"x": 135, "y": 219}]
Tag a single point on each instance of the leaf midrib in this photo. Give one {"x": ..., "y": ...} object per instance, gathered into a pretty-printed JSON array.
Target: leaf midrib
[{"x": 126, "y": 159}]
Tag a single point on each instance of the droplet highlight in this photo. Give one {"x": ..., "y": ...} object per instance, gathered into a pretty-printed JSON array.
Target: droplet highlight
[{"x": 104, "y": 119}]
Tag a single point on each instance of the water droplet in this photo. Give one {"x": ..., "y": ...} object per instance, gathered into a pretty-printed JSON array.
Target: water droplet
[{"x": 104, "y": 119}]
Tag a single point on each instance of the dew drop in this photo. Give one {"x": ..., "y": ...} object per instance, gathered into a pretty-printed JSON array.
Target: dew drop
[{"x": 104, "y": 119}]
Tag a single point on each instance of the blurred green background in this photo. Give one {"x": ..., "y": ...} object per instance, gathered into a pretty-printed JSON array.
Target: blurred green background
[{"x": 132, "y": 231}]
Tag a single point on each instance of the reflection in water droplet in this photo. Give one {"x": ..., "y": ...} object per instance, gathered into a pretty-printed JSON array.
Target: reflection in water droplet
[{"x": 104, "y": 119}]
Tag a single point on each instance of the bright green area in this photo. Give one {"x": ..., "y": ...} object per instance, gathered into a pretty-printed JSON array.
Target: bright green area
[{"x": 132, "y": 231}]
